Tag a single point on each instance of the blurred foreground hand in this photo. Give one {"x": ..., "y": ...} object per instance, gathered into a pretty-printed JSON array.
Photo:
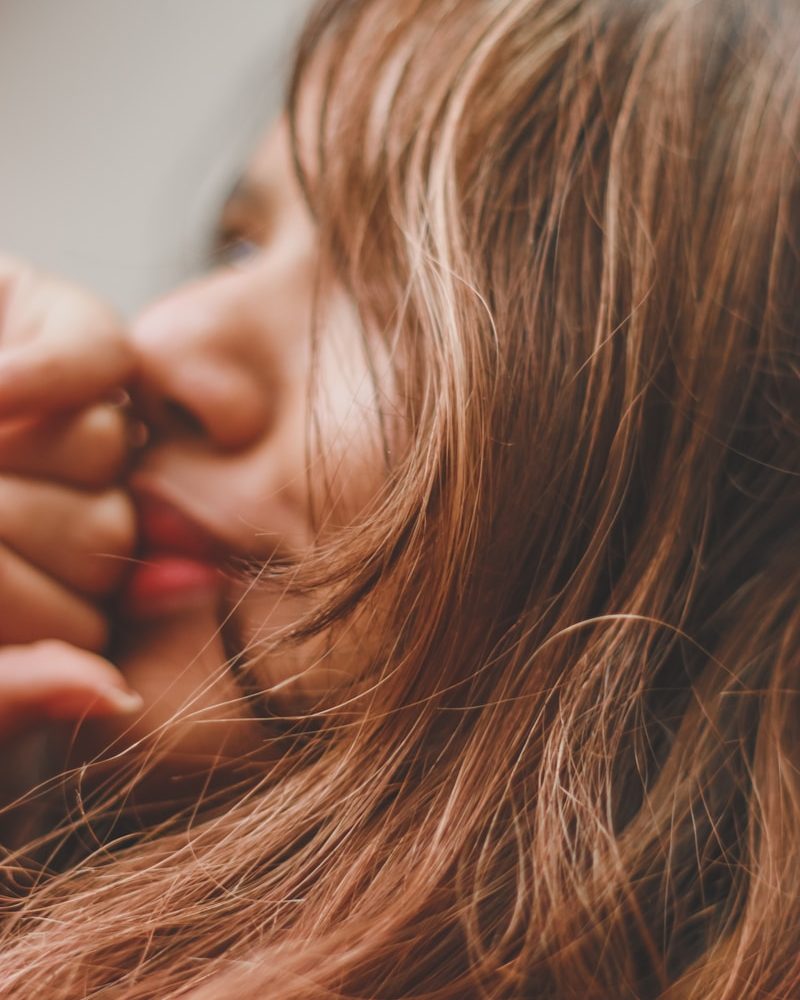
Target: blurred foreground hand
[{"x": 67, "y": 529}]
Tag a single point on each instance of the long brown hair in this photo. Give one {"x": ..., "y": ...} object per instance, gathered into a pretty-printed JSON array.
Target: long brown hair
[{"x": 570, "y": 765}]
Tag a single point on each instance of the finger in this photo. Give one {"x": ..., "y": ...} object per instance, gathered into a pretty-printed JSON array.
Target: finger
[
  {"x": 84, "y": 540},
  {"x": 50, "y": 375},
  {"x": 33, "y": 606},
  {"x": 52, "y": 680},
  {"x": 59, "y": 347},
  {"x": 87, "y": 449}
]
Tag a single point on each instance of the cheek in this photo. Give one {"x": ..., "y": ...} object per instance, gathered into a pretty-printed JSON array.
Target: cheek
[
  {"x": 292, "y": 678},
  {"x": 358, "y": 428},
  {"x": 287, "y": 677}
]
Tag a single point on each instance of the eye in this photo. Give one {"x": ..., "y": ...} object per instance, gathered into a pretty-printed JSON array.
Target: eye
[{"x": 234, "y": 250}]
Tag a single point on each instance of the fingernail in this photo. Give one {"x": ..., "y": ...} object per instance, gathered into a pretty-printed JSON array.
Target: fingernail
[
  {"x": 120, "y": 398},
  {"x": 124, "y": 702},
  {"x": 138, "y": 434}
]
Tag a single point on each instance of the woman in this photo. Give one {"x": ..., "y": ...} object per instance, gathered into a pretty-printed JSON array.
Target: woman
[{"x": 496, "y": 393}]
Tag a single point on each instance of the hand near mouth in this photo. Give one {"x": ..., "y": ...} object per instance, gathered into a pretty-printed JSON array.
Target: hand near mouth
[{"x": 67, "y": 529}]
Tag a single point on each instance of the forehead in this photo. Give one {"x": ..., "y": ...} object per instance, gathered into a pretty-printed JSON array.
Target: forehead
[
  {"x": 273, "y": 155},
  {"x": 270, "y": 164},
  {"x": 271, "y": 167}
]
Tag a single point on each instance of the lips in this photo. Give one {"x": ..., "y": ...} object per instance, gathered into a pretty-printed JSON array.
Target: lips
[
  {"x": 177, "y": 567},
  {"x": 165, "y": 528}
]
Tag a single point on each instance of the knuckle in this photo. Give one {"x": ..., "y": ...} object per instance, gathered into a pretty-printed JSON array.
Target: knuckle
[
  {"x": 100, "y": 327},
  {"x": 112, "y": 524},
  {"x": 103, "y": 324},
  {"x": 91, "y": 311},
  {"x": 102, "y": 436}
]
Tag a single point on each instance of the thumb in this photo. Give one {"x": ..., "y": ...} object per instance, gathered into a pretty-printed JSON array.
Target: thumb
[{"x": 55, "y": 681}]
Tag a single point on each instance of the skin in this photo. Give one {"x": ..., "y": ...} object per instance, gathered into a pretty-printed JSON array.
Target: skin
[
  {"x": 60, "y": 465},
  {"x": 221, "y": 374}
]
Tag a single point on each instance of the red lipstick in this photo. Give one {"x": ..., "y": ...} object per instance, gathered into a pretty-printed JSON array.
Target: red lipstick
[{"x": 177, "y": 566}]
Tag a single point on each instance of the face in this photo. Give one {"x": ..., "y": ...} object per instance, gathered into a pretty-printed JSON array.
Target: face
[{"x": 232, "y": 367}]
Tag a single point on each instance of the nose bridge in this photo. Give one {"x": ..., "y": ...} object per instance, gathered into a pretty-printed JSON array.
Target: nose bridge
[{"x": 199, "y": 352}]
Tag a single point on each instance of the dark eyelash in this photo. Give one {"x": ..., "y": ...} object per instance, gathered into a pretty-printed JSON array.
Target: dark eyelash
[{"x": 228, "y": 246}]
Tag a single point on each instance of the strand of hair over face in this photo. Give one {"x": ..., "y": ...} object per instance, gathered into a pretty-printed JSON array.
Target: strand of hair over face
[{"x": 566, "y": 763}]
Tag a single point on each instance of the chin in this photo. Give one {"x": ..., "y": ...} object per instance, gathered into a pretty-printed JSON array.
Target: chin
[{"x": 195, "y": 730}]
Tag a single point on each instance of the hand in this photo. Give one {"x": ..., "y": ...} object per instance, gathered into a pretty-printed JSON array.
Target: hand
[
  {"x": 51, "y": 681},
  {"x": 60, "y": 347},
  {"x": 65, "y": 527}
]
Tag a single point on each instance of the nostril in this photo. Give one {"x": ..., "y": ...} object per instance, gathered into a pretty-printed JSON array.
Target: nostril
[
  {"x": 194, "y": 405},
  {"x": 180, "y": 421},
  {"x": 166, "y": 418}
]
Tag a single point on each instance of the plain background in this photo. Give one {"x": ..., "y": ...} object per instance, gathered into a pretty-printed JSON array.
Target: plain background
[{"x": 123, "y": 124}]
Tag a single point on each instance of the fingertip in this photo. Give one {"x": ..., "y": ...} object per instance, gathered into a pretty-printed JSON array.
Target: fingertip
[
  {"x": 74, "y": 705},
  {"x": 56, "y": 682},
  {"x": 119, "y": 701}
]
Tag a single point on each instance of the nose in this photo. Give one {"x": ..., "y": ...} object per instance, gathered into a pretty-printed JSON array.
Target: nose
[{"x": 202, "y": 364}]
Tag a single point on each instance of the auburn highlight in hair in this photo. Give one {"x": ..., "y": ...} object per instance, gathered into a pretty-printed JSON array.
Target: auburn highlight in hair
[{"x": 568, "y": 765}]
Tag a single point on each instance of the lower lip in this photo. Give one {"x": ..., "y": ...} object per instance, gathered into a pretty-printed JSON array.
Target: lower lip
[{"x": 167, "y": 584}]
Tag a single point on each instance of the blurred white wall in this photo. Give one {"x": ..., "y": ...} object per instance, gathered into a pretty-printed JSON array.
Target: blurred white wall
[{"x": 122, "y": 124}]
